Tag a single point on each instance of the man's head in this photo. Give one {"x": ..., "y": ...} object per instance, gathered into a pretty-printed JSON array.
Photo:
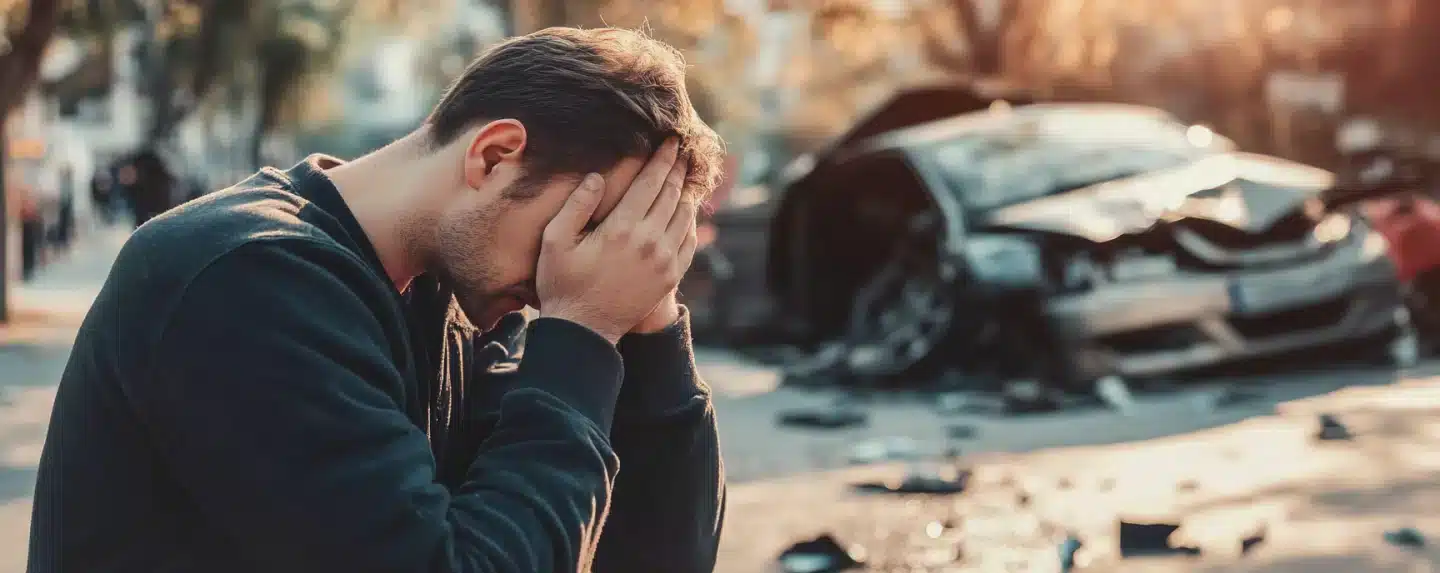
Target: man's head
[{"x": 524, "y": 123}]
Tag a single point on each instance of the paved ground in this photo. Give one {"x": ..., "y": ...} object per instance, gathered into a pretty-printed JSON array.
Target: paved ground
[
  {"x": 1254, "y": 462},
  {"x": 33, "y": 350}
]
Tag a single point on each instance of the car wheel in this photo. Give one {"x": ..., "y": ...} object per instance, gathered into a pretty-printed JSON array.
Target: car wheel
[{"x": 900, "y": 335}]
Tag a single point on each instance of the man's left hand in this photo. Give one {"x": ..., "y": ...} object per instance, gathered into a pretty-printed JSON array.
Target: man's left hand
[{"x": 664, "y": 315}]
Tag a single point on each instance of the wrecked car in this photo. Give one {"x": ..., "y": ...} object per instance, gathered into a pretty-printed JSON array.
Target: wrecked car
[{"x": 1094, "y": 240}]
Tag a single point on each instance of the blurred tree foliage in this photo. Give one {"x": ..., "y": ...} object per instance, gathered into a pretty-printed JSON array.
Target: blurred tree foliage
[
  {"x": 27, "y": 28},
  {"x": 267, "y": 55}
]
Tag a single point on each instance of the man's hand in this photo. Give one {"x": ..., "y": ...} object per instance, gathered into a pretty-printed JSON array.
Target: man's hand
[
  {"x": 661, "y": 318},
  {"x": 612, "y": 278}
]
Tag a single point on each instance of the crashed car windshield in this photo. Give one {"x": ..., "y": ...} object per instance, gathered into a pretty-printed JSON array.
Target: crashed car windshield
[{"x": 993, "y": 170}]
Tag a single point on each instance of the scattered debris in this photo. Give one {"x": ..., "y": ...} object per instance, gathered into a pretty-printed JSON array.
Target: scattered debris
[
  {"x": 1150, "y": 539},
  {"x": 919, "y": 484},
  {"x": 824, "y": 419},
  {"x": 1022, "y": 499},
  {"x": 820, "y": 555},
  {"x": 1068, "y": 547},
  {"x": 823, "y": 361},
  {"x": 1028, "y": 397},
  {"x": 1113, "y": 391},
  {"x": 1405, "y": 537},
  {"x": 1248, "y": 543},
  {"x": 961, "y": 431},
  {"x": 883, "y": 450},
  {"x": 1332, "y": 430},
  {"x": 1188, "y": 485},
  {"x": 1064, "y": 483},
  {"x": 1232, "y": 396}
]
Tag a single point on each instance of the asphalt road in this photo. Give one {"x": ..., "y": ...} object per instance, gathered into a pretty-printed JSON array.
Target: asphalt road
[{"x": 1224, "y": 470}]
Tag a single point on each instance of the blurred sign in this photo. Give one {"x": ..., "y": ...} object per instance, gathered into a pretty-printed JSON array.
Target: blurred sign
[
  {"x": 1324, "y": 92},
  {"x": 27, "y": 149}
]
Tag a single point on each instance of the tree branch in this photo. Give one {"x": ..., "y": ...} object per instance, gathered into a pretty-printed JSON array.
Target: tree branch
[{"x": 20, "y": 67}]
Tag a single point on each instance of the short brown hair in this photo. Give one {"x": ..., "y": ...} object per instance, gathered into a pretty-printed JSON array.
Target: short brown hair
[{"x": 587, "y": 98}]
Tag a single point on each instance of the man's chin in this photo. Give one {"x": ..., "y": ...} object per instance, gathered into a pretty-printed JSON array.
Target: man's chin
[{"x": 497, "y": 310}]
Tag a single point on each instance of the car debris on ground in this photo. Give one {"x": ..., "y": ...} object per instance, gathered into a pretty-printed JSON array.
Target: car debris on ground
[
  {"x": 823, "y": 418},
  {"x": 1405, "y": 537},
  {"x": 1332, "y": 430},
  {"x": 895, "y": 448},
  {"x": 920, "y": 483},
  {"x": 1149, "y": 540},
  {"x": 824, "y": 554}
]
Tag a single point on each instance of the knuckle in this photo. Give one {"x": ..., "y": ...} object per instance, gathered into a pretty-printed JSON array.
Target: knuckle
[{"x": 620, "y": 234}]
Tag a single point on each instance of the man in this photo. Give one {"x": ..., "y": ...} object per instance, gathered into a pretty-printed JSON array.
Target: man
[{"x": 276, "y": 377}]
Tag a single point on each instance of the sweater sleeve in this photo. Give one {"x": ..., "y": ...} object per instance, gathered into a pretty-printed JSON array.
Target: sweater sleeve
[
  {"x": 669, "y": 501},
  {"x": 276, "y": 400}
]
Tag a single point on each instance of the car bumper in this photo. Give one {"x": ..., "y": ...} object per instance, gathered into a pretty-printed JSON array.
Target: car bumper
[{"x": 1183, "y": 322}]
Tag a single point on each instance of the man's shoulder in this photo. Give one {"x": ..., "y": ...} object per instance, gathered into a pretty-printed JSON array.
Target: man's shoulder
[
  {"x": 258, "y": 220},
  {"x": 261, "y": 210}
]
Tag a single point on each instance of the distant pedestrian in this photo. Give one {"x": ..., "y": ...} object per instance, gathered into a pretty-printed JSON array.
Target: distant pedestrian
[{"x": 150, "y": 184}]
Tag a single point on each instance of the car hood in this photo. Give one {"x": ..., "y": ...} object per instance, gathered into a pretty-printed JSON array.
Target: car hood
[{"x": 1245, "y": 191}]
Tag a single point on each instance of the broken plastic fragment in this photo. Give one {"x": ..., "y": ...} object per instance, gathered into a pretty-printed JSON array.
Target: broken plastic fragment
[
  {"x": 919, "y": 484},
  {"x": 1150, "y": 539},
  {"x": 820, "y": 555},
  {"x": 1249, "y": 543},
  {"x": 1068, "y": 547},
  {"x": 1405, "y": 537},
  {"x": 824, "y": 418},
  {"x": 897, "y": 448},
  {"x": 1331, "y": 429},
  {"x": 1116, "y": 394}
]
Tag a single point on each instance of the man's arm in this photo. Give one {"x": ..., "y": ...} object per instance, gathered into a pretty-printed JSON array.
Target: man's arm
[
  {"x": 276, "y": 402},
  {"x": 669, "y": 500}
]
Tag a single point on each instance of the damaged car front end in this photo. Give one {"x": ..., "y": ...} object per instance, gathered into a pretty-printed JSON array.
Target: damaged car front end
[{"x": 1072, "y": 242}]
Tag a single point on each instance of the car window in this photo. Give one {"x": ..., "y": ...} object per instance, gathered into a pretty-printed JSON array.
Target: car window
[{"x": 1029, "y": 160}]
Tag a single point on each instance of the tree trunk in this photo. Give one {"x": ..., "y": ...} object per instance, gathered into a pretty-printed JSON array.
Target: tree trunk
[
  {"x": 19, "y": 69},
  {"x": 4, "y": 230}
]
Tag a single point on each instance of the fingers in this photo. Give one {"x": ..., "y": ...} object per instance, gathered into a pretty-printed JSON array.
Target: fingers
[
  {"x": 572, "y": 218},
  {"x": 686, "y": 253},
  {"x": 681, "y": 222},
  {"x": 646, "y": 187},
  {"x": 669, "y": 196}
]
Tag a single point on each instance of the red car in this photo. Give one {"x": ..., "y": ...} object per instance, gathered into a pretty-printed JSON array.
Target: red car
[{"x": 1397, "y": 196}]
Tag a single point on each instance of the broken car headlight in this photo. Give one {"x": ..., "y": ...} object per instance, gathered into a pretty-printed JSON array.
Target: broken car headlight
[{"x": 1004, "y": 260}]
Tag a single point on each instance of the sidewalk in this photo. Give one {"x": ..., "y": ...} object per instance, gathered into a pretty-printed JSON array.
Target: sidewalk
[{"x": 45, "y": 313}]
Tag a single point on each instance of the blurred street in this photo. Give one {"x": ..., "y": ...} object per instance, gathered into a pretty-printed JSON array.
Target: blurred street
[
  {"x": 47, "y": 310},
  {"x": 1224, "y": 468}
]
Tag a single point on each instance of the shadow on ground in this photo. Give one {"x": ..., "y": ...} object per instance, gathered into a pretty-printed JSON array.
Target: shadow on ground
[{"x": 749, "y": 399}]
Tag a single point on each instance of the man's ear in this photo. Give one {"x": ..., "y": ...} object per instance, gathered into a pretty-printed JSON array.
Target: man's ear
[{"x": 496, "y": 145}]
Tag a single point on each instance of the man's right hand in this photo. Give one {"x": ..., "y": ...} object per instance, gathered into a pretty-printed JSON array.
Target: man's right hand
[{"x": 610, "y": 279}]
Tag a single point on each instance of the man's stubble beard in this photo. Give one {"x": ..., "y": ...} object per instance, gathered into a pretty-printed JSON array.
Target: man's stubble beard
[{"x": 463, "y": 264}]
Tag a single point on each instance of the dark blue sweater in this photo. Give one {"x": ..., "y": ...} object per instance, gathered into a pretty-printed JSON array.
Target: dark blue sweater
[{"x": 250, "y": 393}]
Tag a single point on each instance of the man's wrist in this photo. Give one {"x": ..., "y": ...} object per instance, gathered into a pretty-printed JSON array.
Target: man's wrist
[{"x": 663, "y": 317}]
